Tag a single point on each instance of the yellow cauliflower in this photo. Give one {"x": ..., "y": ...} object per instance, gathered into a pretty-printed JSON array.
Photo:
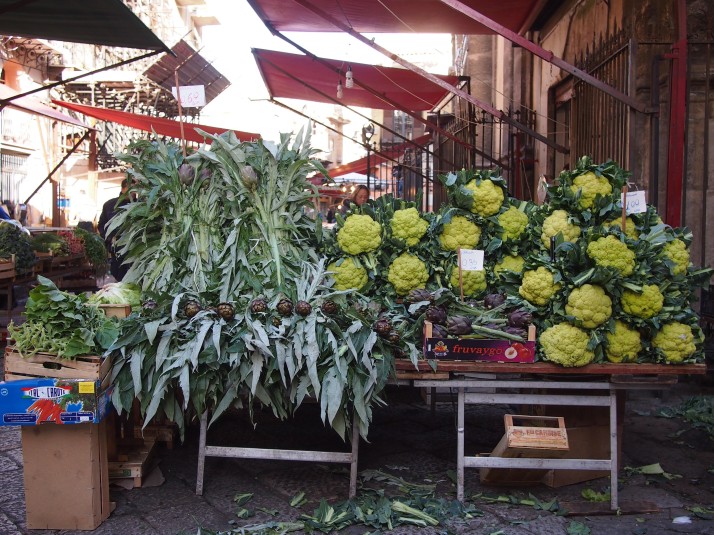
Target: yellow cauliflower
[
  {"x": 474, "y": 282},
  {"x": 630, "y": 227},
  {"x": 642, "y": 305},
  {"x": 611, "y": 252},
  {"x": 538, "y": 286},
  {"x": 677, "y": 252},
  {"x": 406, "y": 273},
  {"x": 510, "y": 262},
  {"x": 566, "y": 345},
  {"x": 488, "y": 197},
  {"x": 590, "y": 305},
  {"x": 590, "y": 186},
  {"x": 624, "y": 344},
  {"x": 359, "y": 234},
  {"x": 348, "y": 274},
  {"x": 558, "y": 222},
  {"x": 513, "y": 222},
  {"x": 459, "y": 233},
  {"x": 408, "y": 225},
  {"x": 676, "y": 341}
]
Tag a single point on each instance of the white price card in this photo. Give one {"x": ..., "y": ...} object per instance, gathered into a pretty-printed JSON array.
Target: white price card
[
  {"x": 635, "y": 202},
  {"x": 471, "y": 259},
  {"x": 191, "y": 96}
]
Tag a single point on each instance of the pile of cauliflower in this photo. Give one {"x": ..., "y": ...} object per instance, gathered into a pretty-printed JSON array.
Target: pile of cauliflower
[{"x": 600, "y": 288}]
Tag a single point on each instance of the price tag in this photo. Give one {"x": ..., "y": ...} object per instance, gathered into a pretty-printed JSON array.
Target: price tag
[
  {"x": 634, "y": 202},
  {"x": 191, "y": 96},
  {"x": 471, "y": 259}
]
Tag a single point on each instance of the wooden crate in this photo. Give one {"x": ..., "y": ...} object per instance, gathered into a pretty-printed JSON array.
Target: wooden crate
[
  {"x": 545, "y": 437},
  {"x": 159, "y": 433},
  {"x": 89, "y": 367},
  {"x": 7, "y": 270},
  {"x": 116, "y": 311},
  {"x": 132, "y": 462}
]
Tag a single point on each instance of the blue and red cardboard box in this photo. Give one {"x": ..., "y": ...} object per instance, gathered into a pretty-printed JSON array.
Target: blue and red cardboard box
[
  {"x": 42, "y": 400},
  {"x": 480, "y": 350}
]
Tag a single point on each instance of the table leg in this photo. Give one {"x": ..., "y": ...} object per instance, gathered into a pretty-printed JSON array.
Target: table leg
[
  {"x": 355, "y": 457},
  {"x": 201, "y": 454},
  {"x": 460, "y": 447},
  {"x": 614, "y": 457}
]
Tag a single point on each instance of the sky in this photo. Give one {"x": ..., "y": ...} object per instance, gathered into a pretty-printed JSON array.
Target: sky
[{"x": 243, "y": 105}]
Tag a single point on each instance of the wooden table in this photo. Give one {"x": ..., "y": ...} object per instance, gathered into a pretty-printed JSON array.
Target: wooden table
[{"x": 598, "y": 385}]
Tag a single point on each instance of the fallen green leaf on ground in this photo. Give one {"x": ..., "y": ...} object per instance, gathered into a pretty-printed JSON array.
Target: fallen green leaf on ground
[
  {"x": 698, "y": 411},
  {"x": 650, "y": 470},
  {"x": 595, "y": 496},
  {"x": 578, "y": 528},
  {"x": 242, "y": 499},
  {"x": 298, "y": 500}
]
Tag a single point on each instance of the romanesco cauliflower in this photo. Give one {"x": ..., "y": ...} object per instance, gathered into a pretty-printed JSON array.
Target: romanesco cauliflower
[
  {"x": 630, "y": 227},
  {"x": 590, "y": 186},
  {"x": 677, "y": 252},
  {"x": 676, "y": 341},
  {"x": 460, "y": 233},
  {"x": 488, "y": 197},
  {"x": 513, "y": 222},
  {"x": 642, "y": 305},
  {"x": 624, "y": 344},
  {"x": 407, "y": 272},
  {"x": 359, "y": 234},
  {"x": 348, "y": 274},
  {"x": 558, "y": 222},
  {"x": 611, "y": 252},
  {"x": 590, "y": 305},
  {"x": 474, "y": 282},
  {"x": 566, "y": 345},
  {"x": 510, "y": 262},
  {"x": 408, "y": 225},
  {"x": 538, "y": 286}
]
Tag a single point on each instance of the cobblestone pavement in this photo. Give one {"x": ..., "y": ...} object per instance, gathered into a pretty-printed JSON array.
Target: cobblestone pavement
[{"x": 406, "y": 439}]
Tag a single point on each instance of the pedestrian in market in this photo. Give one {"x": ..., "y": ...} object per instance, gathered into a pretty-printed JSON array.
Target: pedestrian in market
[
  {"x": 117, "y": 267},
  {"x": 359, "y": 196}
]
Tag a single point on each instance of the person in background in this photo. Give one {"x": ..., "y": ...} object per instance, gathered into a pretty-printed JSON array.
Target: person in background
[
  {"x": 359, "y": 196},
  {"x": 116, "y": 266}
]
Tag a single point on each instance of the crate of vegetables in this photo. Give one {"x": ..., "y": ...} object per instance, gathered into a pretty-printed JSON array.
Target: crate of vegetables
[
  {"x": 478, "y": 349},
  {"x": 86, "y": 367}
]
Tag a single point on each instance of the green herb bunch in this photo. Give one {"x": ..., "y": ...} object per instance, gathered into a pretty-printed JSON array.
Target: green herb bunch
[{"x": 14, "y": 242}]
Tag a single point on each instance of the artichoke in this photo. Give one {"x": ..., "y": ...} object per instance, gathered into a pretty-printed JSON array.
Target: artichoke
[
  {"x": 285, "y": 307},
  {"x": 330, "y": 308},
  {"x": 458, "y": 325},
  {"x": 436, "y": 314},
  {"x": 303, "y": 308},
  {"x": 186, "y": 174},
  {"x": 439, "y": 331},
  {"x": 382, "y": 327},
  {"x": 393, "y": 337},
  {"x": 494, "y": 300},
  {"x": 520, "y": 318},
  {"x": 226, "y": 311},
  {"x": 419, "y": 294},
  {"x": 258, "y": 305},
  {"x": 191, "y": 308}
]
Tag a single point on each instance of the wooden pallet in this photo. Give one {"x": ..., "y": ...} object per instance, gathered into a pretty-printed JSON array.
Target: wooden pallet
[
  {"x": 133, "y": 463},
  {"x": 91, "y": 367}
]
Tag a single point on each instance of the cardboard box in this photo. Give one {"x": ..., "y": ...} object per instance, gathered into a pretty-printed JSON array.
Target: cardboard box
[
  {"x": 66, "y": 476},
  {"x": 538, "y": 437},
  {"x": 478, "y": 349},
  {"x": 590, "y": 442},
  {"x": 50, "y": 400}
]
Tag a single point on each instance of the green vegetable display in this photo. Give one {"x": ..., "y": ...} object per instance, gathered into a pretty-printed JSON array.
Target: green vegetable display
[
  {"x": 117, "y": 293},
  {"x": 14, "y": 242}
]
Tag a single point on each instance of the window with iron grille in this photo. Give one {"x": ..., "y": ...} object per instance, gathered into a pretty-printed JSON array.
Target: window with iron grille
[{"x": 13, "y": 171}]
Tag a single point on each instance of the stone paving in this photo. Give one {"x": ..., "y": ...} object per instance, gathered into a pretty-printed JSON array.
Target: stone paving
[{"x": 407, "y": 440}]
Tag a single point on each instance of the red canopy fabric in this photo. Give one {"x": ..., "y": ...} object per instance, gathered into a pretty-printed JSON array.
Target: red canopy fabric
[
  {"x": 395, "y": 16},
  {"x": 32, "y": 105},
  {"x": 164, "y": 127},
  {"x": 393, "y": 153},
  {"x": 293, "y": 75}
]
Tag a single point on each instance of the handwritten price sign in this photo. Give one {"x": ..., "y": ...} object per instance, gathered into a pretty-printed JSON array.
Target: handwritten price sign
[
  {"x": 634, "y": 202},
  {"x": 191, "y": 96},
  {"x": 471, "y": 259}
]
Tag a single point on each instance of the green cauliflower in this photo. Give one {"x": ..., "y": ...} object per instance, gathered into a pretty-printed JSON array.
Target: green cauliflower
[
  {"x": 566, "y": 345},
  {"x": 645, "y": 304},
  {"x": 513, "y": 222},
  {"x": 676, "y": 341},
  {"x": 359, "y": 234},
  {"x": 590, "y": 305},
  {"x": 510, "y": 262},
  {"x": 538, "y": 286},
  {"x": 677, "y": 252},
  {"x": 556, "y": 223},
  {"x": 624, "y": 344},
  {"x": 406, "y": 273},
  {"x": 474, "y": 282},
  {"x": 487, "y": 196},
  {"x": 590, "y": 185},
  {"x": 611, "y": 252},
  {"x": 459, "y": 233},
  {"x": 348, "y": 274},
  {"x": 630, "y": 227},
  {"x": 409, "y": 226}
]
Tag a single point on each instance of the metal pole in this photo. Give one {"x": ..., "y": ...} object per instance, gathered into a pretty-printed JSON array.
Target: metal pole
[{"x": 368, "y": 146}]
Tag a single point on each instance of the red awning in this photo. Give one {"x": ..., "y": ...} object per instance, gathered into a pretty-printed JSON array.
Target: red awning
[
  {"x": 386, "y": 155},
  {"x": 394, "y": 16},
  {"x": 32, "y": 105},
  {"x": 164, "y": 127},
  {"x": 293, "y": 75}
]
